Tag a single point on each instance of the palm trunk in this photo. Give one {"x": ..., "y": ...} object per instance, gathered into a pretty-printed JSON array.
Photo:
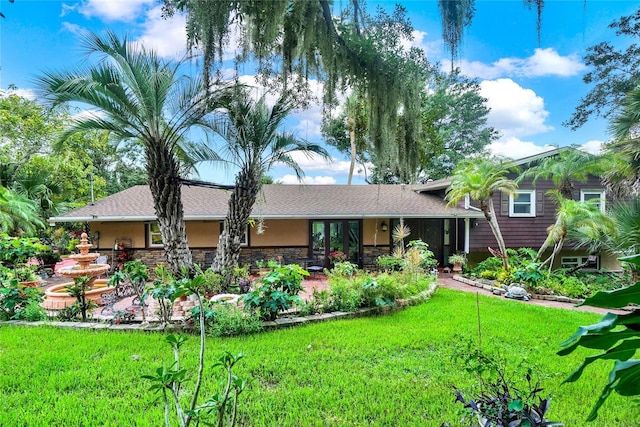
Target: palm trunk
[
  {"x": 240, "y": 204},
  {"x": 489, "y": 214},
  {"x": 547, "y": 242},
  {"x": 162, "y": 170}
]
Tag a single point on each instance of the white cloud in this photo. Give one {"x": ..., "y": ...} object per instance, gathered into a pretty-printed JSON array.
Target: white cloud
[
  {"x": 72, "y": 28},
  {"x": 113, "y": 10},
  {"x": 543, "y": 62},
  {"x": 516, "y": 149},
  {"x": 515, "y": 111},
  {"x": 593, "y": 147},
  {"x": 22, "y": 93},
  {"x": 308, "y": 180},
  {"x": 167, "y": 37}
]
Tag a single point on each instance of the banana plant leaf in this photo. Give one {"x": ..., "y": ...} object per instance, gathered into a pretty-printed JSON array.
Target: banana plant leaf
[
  {"x": 624, "y": 379},
  {"x": 615, "y": 299},
  {"x": 624, "y": 351},
  {"x": 601, "y": 330}
]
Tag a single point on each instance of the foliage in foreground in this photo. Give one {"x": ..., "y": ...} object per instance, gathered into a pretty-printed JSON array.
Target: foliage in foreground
[
  {"x": 523, "y": 269},
  {"x": 618, "y": 336},
  {"x": 337, "y": 373}
]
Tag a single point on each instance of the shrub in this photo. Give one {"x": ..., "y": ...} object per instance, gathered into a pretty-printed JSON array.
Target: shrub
[
  {"x": 389, "y": 263},
  {"x": 278, "y": 292},
  {"x": 319, "y": 302},
  {"x": 222, "y": 319},
  {"x": 14, "y": 299},
  {"x": 346, "y": 293},
  {"x": 490, "y": 264},
  {"x": 32, "y": 312}
]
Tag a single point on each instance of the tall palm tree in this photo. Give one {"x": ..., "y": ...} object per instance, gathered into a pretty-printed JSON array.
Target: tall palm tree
[
  {"x": 624, "y": 179},
  {"x": 568, "y": 166},
  {"x": 480, "y": 178},
  {"x": 574, "y": 219},
  {"x": 18, "y": 214},
  {"x": 253, "y": 145},
  {"x": 140, "y": 97}
]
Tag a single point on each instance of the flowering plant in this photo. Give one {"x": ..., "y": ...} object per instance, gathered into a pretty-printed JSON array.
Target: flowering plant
[{"x": 337, "y": 256}]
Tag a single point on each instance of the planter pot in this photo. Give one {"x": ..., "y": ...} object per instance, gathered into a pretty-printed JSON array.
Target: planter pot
[
  {"x": 30, "y": 284},
  {"x": 457, "y": 268}
]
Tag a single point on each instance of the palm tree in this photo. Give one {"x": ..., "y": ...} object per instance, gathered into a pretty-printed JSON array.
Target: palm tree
[
  {"x": 18, "y": 214},
  {"x": 568, "y": 166},
  {"x": 624, "y": 179},
  {"x": 141, "y": 98},
  {"x": 575, "y": 220},
  {"x": 479, "y": 179},
  {"x": 253, "y": 144}
]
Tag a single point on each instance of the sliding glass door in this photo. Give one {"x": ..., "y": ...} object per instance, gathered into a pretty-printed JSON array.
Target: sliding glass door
[{"x": 329, "y": 236}]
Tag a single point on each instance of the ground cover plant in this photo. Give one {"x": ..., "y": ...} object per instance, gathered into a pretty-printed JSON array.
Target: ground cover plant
[
  {"x": 327, "y": 374},
  {"x": 523, "y": 269}
]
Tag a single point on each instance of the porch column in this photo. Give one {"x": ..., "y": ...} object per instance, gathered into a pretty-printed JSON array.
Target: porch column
[{"x": 467, "y": 229}]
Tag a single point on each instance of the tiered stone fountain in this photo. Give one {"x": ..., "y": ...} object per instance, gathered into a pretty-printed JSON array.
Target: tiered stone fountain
[{"x": 57, "y": 297}]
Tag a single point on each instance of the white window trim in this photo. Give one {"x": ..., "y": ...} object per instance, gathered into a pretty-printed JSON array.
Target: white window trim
[
  {"x": 512, "y": 198},
  {"x": 603, "y": 197},
  {"x": 150, "y": 243},
  {"x": 574, "y": 261}
]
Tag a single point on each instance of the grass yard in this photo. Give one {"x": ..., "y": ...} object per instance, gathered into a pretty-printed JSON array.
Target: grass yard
[{"x": 393, "y": 370}]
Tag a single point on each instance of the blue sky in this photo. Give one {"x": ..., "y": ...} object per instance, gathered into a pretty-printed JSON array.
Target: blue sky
[{"x": 531, "y": 88}]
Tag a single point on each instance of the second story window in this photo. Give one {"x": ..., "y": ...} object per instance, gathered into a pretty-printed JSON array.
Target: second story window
[
  {"x": 522, "y": 203},
  {"x": 594, "y": 196}
]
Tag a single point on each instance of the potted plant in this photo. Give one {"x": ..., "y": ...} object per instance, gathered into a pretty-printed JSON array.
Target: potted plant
[
  {"x": 26, "y": 275},
  {"x": 458, "y": 260},
  {"x": 504, "y": 396}
]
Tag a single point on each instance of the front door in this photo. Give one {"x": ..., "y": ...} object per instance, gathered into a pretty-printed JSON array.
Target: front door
[{"x": 332, "y": 236}]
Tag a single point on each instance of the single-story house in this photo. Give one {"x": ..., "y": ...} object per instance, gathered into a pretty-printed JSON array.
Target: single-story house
[{"x": 296, "y": 222}]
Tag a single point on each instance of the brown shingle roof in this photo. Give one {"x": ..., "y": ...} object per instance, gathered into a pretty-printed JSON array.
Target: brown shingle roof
[{"x": 279, "y": 201}]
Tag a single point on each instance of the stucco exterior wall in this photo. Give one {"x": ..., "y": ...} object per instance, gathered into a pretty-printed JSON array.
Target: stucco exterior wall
[
  {"x": 372, "y": 235},
  {"x": 281, "y": 232}
]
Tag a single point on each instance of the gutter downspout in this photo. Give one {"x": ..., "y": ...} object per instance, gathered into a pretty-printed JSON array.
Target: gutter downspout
[{"x": 467, "y": 229}]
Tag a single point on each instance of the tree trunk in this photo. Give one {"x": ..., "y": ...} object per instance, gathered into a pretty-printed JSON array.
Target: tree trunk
[
  {"x": 547, "y": 242},
  {"x": 352, "y": 140},
  {"x": 163, "y": 173},
  {"x": 489, "y": 214},
  {"x": 240, "y": 204}
]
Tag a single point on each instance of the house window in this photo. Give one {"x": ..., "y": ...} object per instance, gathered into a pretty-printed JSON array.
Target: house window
[
  {"x": 591, "y": 262},
  {"x": 244, "y": 238},
  {"x": 154, "y": 237},
  {"x": 522, "y": 203},
  {"x": 594, "y": 196}
]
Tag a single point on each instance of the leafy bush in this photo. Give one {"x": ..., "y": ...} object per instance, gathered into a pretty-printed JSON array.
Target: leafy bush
[
  {"x": 278, "y": 292},
  {"x": 346, "y": 294},
  {"x": 491, "y": 264},
  {"x": 166, "y": 290},
  {"x": 529, "y": 273},
  {"x": 319, "y": 302},
  {"x": 382, "y": 290},
  {"x": 14, "y": 299},
  {"x": 344, "y": 268},
  {"x": 390, "y": 263},
  {"x": 222, "y": 319}
]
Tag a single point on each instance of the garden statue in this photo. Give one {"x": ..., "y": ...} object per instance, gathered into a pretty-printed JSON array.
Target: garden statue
[{"x": 515, "y": 291}]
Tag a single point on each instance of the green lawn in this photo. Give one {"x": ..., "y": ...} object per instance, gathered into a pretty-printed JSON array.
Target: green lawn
[{"x": 393, "y": 370}]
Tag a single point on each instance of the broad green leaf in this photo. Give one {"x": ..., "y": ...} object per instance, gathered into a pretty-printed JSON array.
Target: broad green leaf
[
  {"x": 631, "y": 259},
  {"x": 624, "y": 351},
  {"x": 615, "y": 299},
  {"x": 607, "y": 323},
  {"x": 624, "y": 379},
  {"x": 599, "y": 341}
]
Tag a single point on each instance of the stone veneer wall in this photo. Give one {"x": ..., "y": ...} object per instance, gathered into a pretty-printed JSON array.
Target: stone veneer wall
[
  {"x": 204, "y": 257},
  {"x": 371, "y": 253}
]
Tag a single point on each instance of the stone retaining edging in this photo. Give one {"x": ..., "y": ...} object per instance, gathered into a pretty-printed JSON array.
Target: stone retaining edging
[{"x": 500, "y": 291}]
